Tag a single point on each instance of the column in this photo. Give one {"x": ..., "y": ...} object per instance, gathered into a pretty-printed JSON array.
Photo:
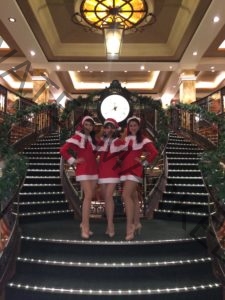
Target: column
[
  {"x": 40, "y": 87},
  {"x": 187, "y": 94}
]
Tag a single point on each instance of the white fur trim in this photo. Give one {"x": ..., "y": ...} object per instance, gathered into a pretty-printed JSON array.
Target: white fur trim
[
  {"x": 81, "y": 143},
  {"x": 108, "y": 180},
  {"x": 134, "y": 118},
  {"x": 87, "y": 118},
  {"x": 131, "y": 178},
  {"x": 86, "y": 177},
  {"x": 71, "y": 160}
]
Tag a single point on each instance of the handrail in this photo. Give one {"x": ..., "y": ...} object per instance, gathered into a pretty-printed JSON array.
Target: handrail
[
  {"x": 71, "y": 193},
  {"x": 152, "y": 197},
  {"x": 9, "y": 238}
]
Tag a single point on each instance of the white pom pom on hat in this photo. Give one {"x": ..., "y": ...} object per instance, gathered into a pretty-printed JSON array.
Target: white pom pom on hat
[
  {"x": 134, "y": 118},
  {"x": 87, "y": 118}
]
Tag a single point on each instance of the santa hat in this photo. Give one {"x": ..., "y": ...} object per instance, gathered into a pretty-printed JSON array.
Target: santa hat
[
  {"x": 113, "y": 122},
  {"x": 133, "y": 118},
  {"x": 86, "y": 118}
]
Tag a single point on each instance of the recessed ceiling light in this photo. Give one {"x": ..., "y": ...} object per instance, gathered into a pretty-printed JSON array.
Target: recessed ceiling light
[
  {"x": 195, "y": 53},
  {"x": 12, "y": 20},
  {"x": 216, "y": 19},
  {"x": 86, "y": 67},
  {"x": 102, "y": 71},
  {"x": 171, "y": 67},
  {"x": 125, "y": 71},
  {"x": 142, "y": 67},
  {"x": 58, "y": 67},
  {"x": 32, "y": 53}
]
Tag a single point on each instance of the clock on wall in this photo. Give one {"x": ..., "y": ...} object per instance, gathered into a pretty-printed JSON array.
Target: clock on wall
[
  {"x": 115, "y": 106},
  {"x": 115, "y": 103}
]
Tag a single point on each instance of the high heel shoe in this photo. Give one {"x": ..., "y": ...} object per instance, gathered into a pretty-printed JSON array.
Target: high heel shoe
[
  {"x": 138, "y": 228},
  {"x": 130, "y": 234},
  {"x": 110, "y": 232},
  {"x": 85, "y": 234},
  {"x": 90, "y": 232}
]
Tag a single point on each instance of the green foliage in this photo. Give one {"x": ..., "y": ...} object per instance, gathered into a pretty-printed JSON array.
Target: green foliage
[{"x": 13, "y": 172}]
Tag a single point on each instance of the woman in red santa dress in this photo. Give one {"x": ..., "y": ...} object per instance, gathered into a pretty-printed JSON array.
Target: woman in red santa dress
[
  {"x": 84, "y": 145},
  {"x": 108, "y": 170},
  {"x": 132, "y": 147}
]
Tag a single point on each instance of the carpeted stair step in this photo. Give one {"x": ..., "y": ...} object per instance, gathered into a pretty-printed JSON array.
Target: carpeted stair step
[
  {"x": 184, "y": 173},
  {"x": 185, "y": 188},
  {"x": 186, "y": 196},
  {"x": 181, "y": 166},
  {"x": 189, "y": 206},
  {"x": 43, "y": 179},
  {"x": 41, "y": 172},
  {"x": 43, "y": 165},
  {"x": 184, "y": 180},
  {"x": 49, "y": 159},
  {"x": 184, "y": 160},
  {"x": 40, "y": 196},
  {"x": 42, "y": 206},
  {"x": 50, "y": 215},
  {"x": 180, "y": 215},
  {"x": 210, "y": 292},
  {"x": 41, "y": 187},
  {"x": 115, "y": 253},
  {"x": 184, "y": 154},
  {"x": 39, "y": 154},
  {"x": 113, "y": 278},
  {"x": 113, "y": 267}
]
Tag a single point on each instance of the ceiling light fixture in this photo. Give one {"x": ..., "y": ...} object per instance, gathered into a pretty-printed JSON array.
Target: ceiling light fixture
[
  {"x": 113, "y": 18},
  {"x": 12, "y": 20}
]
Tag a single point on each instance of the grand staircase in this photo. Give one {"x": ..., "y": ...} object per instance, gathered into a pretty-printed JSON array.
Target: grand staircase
[{"x": 168, "y": 260}]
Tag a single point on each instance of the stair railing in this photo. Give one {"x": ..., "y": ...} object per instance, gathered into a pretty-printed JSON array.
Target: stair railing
[
  {"x": 71, "y": 192},
  {"x": 195, "y": 124},
  {"x": 155, "y": 178},
  {"x": 216, "y": 235},
  {"x": 9, "y": 238}
]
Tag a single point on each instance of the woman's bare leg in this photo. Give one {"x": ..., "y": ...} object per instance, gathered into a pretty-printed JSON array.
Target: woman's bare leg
[
  {"x": 129, "y": 190},
  {"x": 109, "y": 207},
  {"x": 88, "y": 187}
]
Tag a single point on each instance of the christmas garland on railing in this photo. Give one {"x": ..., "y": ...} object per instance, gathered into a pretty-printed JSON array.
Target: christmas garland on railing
[
  {"x": 212, "y": 163},
  {"x": 12, "y": 164},
  {"x": 162, "y": 122}
]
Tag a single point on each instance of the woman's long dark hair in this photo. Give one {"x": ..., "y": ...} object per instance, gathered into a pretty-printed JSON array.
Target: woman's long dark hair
[
  {"x": 92, "y": 133},
  {"x": 139, "y": 135}
]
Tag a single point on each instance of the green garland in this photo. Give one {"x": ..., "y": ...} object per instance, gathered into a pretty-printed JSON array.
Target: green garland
[
  {"x": 162, "y": 121},
  {"x": 210, "y": 163}
]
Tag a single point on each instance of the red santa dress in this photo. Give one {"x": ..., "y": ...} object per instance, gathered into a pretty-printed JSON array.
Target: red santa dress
[
  {"x": 109, "y": 169},
  {"x": 82, "y": 147},
  {"x": 130, "y": 155}
]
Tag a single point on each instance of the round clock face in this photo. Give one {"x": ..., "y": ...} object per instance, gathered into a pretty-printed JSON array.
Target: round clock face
[{"x": 116, "y": 107}]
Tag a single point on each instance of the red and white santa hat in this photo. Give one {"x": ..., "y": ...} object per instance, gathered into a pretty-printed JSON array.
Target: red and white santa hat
[
  {"x": 134, "y": 118},
  {"x": 86, "y": 118},
  {"x": 113, "y": 122}
]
